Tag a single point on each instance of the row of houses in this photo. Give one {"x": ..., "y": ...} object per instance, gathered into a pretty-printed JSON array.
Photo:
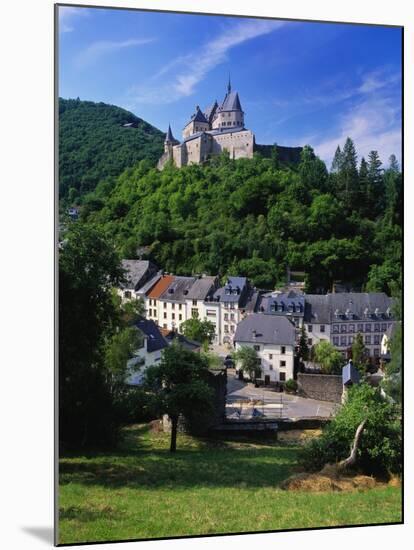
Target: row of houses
[{"x": 270, "y": 322}]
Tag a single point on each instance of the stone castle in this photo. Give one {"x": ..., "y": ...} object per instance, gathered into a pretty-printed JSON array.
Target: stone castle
[{"x": 208, "y": 133}]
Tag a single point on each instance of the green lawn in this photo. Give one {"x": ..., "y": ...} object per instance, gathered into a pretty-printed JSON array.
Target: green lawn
[{"x": 143, "y": 491}]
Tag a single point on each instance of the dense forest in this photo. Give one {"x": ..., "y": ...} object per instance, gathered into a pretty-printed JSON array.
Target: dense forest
[
  {"x": 255, "y": 217},
  {"x": 94, "y": 146}
]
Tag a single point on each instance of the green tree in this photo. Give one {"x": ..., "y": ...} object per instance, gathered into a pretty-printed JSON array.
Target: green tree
[
  {"x": 88, "y": 270},
  {"x": 303, "y": 352},
  {"x": 249, "y": 363},
  {"x": 359, "y": 354},
  {"x": 375, "y": 196},
  {"x": 392, "y": 382},
  {"x": 348, "y": 184},
  {"x": 337, "y": 160},
  {"x": 198, "y": 330},
  {"x": 380, "y": 446},
  {"x": 328, "y": 357},
  {"x": 180, "y": 384},
  {"x": 119, "y": 348}
]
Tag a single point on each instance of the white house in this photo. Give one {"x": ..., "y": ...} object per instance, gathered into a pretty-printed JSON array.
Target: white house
[
  {"x": 148, "y": 354},
  {"x": 273, "y": 338}
]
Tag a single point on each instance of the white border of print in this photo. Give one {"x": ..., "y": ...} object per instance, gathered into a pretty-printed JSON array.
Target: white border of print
[{"x": 26, "y": 220}]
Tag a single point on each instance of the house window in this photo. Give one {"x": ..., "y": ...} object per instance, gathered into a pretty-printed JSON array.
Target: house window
[
  {"x": 376, "y": 352},
  {"x": 343, "y": 340},
  {"x": 127, "y": 294},
  {"x": 180, "y": 316},
  {"x": 194, "y": 302},
  {"x": 211, "y": 313},
  {"x": 256, "y": 347},
  {"x": 360, "y": 327},
  {"x": 351, "y": 340},
  {"x": 180, "y": 306},
  {"x": 150, "y": 312},
  {"x": 150, "y": 302},
  {"x": 165, "y": 305},
  {"x": 172, "y": 306},
  {"x": 194, "y": 312},
  {"x": 376, "y": 340},
  {"x": 368, "y": 327},
  {"x": 343, "y": 328},
  {"x": 154, "y": 302},
  {"x": 309, "y": 341},
  {"x": 283, "y": 363},
  {"x": 232, "y": 329},
  {"x": 336, "y": 328},
  {"x": 226, "y": 316},
  {"x": 322, "y": 328},
  {"x": 376, "y": 327},
  {"x": 232, "y": 316},
  {"x": 336, "y": 340},
  {"x": 309, "y": 328},
  {"x": 173, "y": 316},
  {"x": 384, "y": 327},
  {"x": 165, "y": 314},
  {"x": 270, "y": 355},
  {"x": 368, "y": 339},
  {"x": 282, "y": 376},
  {"x": 226, "y": 328},
  {"x": 164, "y": 325},
  {"x": 352, "y": 328},
  {"x": 283, "y": 350},
  {"x": 270, "y": 367}
]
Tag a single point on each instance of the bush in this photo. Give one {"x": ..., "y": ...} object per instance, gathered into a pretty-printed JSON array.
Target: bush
[
  {"x": 291, "y": 385},
  {"x": 134, "y": 405},
  {"x": 379, "y": 452}
]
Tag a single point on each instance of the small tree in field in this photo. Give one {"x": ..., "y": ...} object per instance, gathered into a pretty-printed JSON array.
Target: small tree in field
[
  {"x": 249, "y": 362},
  {"x": 328, "y": 357},
  {"x": 179, "y": 383}
]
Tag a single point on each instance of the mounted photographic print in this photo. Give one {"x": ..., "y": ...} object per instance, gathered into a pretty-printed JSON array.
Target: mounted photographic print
[{"x": 229, "y": 254}]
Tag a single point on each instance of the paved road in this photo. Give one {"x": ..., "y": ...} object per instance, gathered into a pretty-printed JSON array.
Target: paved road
[{"x": 243, "y": 398}]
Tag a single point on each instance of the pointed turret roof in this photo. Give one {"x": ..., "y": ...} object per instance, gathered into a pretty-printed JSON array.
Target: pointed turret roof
[
  {"x": 199, "y": 116},
  {"x": 231, "y": 102},
  {"x": 169, "y": 138}
]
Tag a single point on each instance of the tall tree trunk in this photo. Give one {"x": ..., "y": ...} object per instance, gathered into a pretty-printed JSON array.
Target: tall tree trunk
[
  {"x": 174, "y": 424},
  {"x": 350, "y": 461}
]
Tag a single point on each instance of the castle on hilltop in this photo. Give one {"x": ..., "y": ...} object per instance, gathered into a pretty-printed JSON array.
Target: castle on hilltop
[{"x": 218, "y": 128}]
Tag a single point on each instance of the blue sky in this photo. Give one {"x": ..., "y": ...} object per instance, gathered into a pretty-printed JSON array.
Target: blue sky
[{"x": 299, "y": 82}]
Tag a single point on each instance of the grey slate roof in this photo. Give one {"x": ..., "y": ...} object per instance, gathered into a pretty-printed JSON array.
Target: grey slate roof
[
  {"x": 265, "y": 329},
  {"x": 178, "y": 289},
  {"x": 217, "y": 131},
  {"x": 173, "y": 336},
  {"x": 136, "y": 272},
  {"x": 348, "y": 306},
  {"x": 285, "y": 303},
  {"x": 209, "y": 112},
  {"x": 350, "y": 374},
  {"x": 231, "y": 102},
  {"x": 202, "y": 287},
  {"x": 155, "y": 340},
  {"x": 233, "y": 291}
]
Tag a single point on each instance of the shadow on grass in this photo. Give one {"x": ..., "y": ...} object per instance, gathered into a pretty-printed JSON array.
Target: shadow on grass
[{"x": 144, "y": 461}]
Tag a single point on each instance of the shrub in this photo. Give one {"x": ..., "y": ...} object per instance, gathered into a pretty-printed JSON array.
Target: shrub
[
  {"x": 379, "y": 452},
  {"x": 291, "y": 385}
]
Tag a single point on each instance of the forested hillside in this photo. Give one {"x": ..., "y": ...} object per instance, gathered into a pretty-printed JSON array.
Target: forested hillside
[
  {"x": 254, "y": 217},
  {"x": 94, "y": 146}
]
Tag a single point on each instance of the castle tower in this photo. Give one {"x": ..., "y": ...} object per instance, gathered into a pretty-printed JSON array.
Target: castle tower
[
  {"x": 230, "y": 113},
  {"x": 169, "y": 141}
]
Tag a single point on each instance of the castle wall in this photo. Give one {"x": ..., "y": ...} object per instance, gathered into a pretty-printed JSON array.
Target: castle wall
[{"x": 239, "y": 144}]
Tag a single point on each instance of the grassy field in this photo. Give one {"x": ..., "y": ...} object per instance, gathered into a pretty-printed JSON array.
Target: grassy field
[{"x": 143, "y": 491}]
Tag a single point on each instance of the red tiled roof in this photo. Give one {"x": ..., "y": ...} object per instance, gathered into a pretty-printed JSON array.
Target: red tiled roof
[{"x": 161, "y": 286}]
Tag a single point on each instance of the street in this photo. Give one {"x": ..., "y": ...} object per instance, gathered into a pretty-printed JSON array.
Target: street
[{"x": 245, "y": 401}]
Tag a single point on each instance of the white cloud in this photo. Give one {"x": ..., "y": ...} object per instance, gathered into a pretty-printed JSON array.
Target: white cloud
[
  {"x": 180, "y": 76},
  {"x": 374, "y": 123},
  {"x": 66, "y": 16},
  {"x": 101, "y": 48}
]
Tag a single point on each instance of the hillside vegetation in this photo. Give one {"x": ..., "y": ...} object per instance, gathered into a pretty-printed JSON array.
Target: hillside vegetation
[
  {"x": 255, "y": 217},
  {"x": 94, "y": 146}
]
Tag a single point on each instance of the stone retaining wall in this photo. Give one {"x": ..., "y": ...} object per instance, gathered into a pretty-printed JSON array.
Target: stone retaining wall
[{"x": 324, "y": 387}]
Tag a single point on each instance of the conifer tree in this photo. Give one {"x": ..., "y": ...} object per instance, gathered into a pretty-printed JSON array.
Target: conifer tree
[
  {"x": 348, "y": 183},
  {"x": 337, "y": 161},
  {"x": 375, "y": 191}
]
